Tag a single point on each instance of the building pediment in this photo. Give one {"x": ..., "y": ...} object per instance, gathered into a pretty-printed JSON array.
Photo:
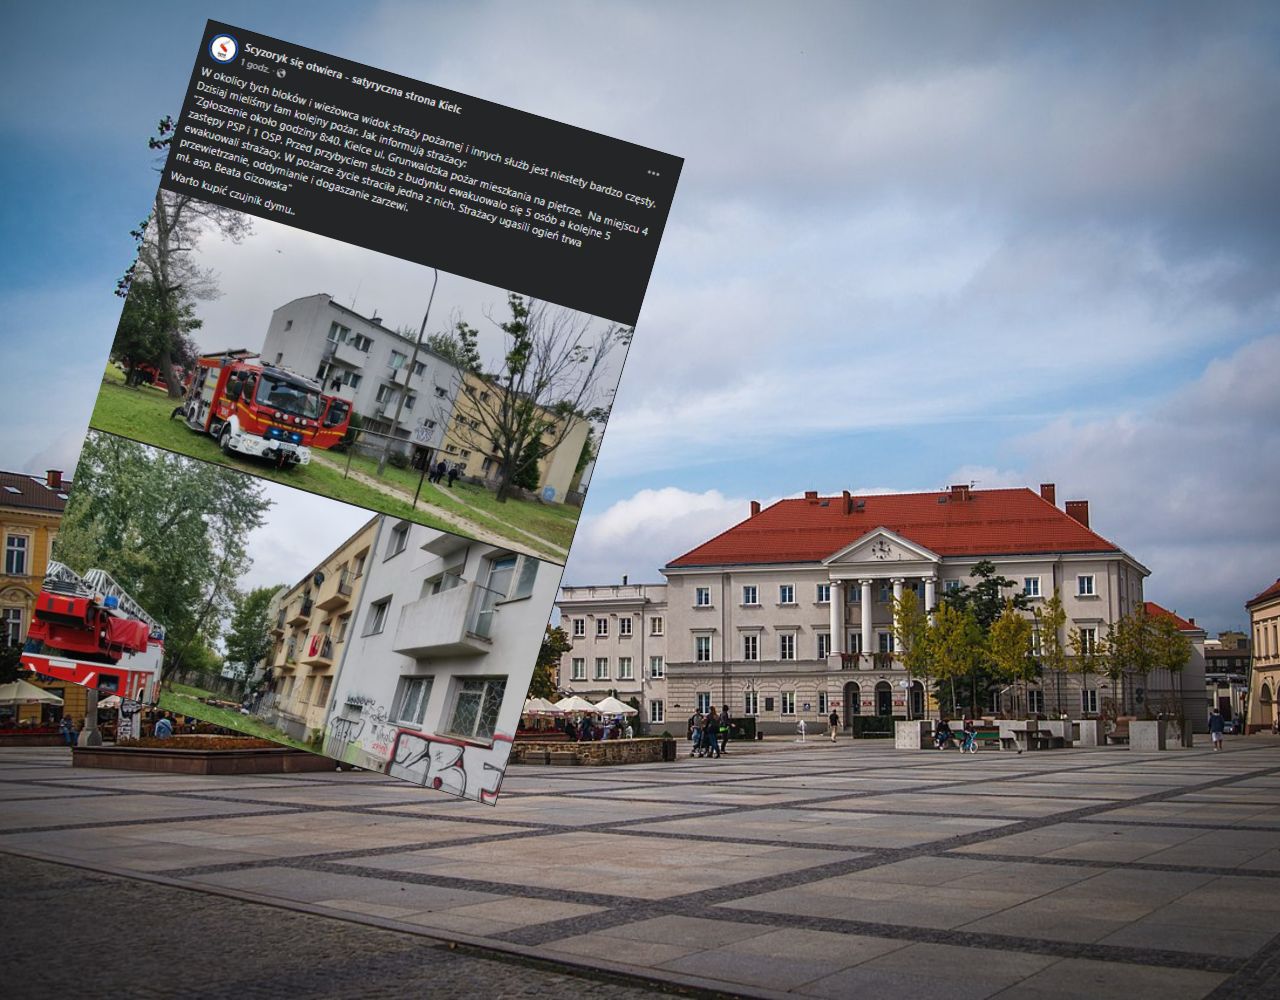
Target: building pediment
[{"x": 881, "y": 547}]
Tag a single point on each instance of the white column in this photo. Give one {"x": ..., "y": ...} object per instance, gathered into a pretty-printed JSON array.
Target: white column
[
  {"x": 837, "y": 617},
  {"x": 930, "y": 594},
  {"x": 866, "y": 617},
  {"x": 897, "y": 597}
]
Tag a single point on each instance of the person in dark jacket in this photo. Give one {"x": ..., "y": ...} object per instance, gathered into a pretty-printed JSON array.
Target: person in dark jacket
[
  {"x": 725, "y": 724},
  {"x": 1216, "y": 728}
]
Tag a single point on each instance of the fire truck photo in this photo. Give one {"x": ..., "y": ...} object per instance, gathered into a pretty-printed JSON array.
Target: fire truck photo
[
  {"x": 89, "y": 631},
  {"x": 262, "y": 410}
]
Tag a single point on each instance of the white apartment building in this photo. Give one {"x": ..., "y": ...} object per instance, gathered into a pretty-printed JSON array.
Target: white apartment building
[
  {"x": 359, "y": 359},
  {"x": 439, "y": 661},
  {"x": 619, "y": 646}
]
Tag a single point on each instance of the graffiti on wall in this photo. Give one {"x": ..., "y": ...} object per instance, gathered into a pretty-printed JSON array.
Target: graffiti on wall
[{"x": 450, "y": 765}]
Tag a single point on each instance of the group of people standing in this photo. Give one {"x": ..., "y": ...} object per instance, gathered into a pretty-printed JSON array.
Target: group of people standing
[
  {"x": 443, "y": 470},
  {"x": 709, "y": 732}
]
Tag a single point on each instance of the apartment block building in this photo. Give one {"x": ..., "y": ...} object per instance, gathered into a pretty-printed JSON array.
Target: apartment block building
[
  {"x": 1264, "y": 675},
  {"x": 439, "y": 661},
  {"x": 369, "y": 364},
  {"x": 467, "y": 440},
  {"x": 619, "y": 647},
  {"x": 311, "y": 629},
  {"x": 30, "y": 511}
]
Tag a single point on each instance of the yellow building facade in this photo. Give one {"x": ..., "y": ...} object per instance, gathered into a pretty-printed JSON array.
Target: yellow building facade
[
  {"x": 31, "y": 509},
  {"x": 467, "y": 442},
  {"x": 1264, "y": 679}
]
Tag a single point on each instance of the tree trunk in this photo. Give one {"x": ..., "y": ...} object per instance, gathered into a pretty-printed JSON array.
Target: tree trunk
[{"x": 171, "y": 380}]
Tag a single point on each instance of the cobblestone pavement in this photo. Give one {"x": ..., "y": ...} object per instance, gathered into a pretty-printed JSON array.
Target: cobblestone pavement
[{"x": 796, "y": 869}]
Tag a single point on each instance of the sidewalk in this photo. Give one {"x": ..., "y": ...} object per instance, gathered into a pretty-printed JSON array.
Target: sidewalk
[{"x": 793, "y": 869}]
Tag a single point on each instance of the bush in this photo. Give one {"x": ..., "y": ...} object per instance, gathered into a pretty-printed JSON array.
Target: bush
[
  {"x": 743, "y": 729},
  {"x": 398, "y": 459},
  {"x": 873, "y": 726}
]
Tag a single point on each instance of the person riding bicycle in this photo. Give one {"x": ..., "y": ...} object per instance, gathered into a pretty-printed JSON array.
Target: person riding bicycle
[{"x": 970, "y": 743}]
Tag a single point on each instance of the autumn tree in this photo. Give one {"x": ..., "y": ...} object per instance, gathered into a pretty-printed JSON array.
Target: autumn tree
[
  {"x": 248, "y": 638},
  {"x": 553, "y": 373},
  {"x": 957, "y": 645},
  {"x": 1051, "y": 619},
  {"x": 1086, "y": 656},
  {"x": 1009, "y": 648},
  {"x": 555, "y": 642},
  {"x": 166, "y": 274},
  {"x": 911, "y": 635}
]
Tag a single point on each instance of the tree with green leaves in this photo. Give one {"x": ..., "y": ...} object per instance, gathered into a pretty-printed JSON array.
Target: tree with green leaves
[
  {"x": 958, "y": 648},
  {"x": 459, "y": 352},
  {"x": 149, "y": 327},
  {"x": 555, "y": 642},
  {"x": 248, "y": 638},
  {"x": 1086, "y": 655},
  {"x": 1051, "y": 619},
  {"x": 553, "y": 373},
  {"x": 1009, "y": 648},
  {"x": 172, "y": 531},
  {"x": 912, "y": 638},
  {"x": 10, "y": 663},
  {"x": 1131, "y": 650},
  {"x": 986, "y": 598},
  {"x": 167, "y": 240}
]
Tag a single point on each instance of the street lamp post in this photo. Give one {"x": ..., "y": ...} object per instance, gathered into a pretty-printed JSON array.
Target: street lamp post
[{"x": 413, "y": 360}]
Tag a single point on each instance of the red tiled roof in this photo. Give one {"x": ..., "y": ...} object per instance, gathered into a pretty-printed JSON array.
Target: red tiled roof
[
  {"x": 1272, "y": 591},
  {"x": 990, "y": 522},
  {"x": 30, "y": 493},
  {"x": 1154, "y": 610}
]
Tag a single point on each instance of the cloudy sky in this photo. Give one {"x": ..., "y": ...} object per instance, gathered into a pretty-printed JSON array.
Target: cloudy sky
[{"x": 913, "y": 244}]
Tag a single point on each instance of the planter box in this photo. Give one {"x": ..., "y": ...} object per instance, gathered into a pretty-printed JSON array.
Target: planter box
[
  {"x": 645, "y": 750},
  {"x": 914, "y": 735},
  {"x": 1089, "y": 732},
  {"x": 1147, "y": 736},
  {"x": 284, "y": 760},
  {"x": 32, "y": 740}
]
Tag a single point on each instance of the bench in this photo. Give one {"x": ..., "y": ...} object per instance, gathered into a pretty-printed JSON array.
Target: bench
[
  {"x": 1044, "y": 741},
  {"x": 1120, "y": 734}
]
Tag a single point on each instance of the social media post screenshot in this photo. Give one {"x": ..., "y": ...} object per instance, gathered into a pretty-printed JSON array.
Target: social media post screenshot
[
  {"x": 366, "y": 356},
  {"x": 200, "y": 618}
]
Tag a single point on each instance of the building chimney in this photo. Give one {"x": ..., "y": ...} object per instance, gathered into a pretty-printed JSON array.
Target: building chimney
[
  {"x": 54, "y": 478},
  {"x": 959, "y": 492},
  {"x": 1079, "y": 510},
  {"x": 848, "y": 503},
  {"x": 624, "y": 579},
  {"x": 755, "y": 507},
  {"x": 811, "y": 495},
  {"x": 1049, "y": 492},
  {"x": 1192, "y": 621}
]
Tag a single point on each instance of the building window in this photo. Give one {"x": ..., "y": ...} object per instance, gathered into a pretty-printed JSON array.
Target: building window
[
  {"x": 409, "y": 400},
  {"x": 749, "y": 596},
  {"x": 625, "y": 672},
  {"x": 288, "y": 324},
  {"x": 822, "y": 704},
  {"x": 15, "y": 555},
  {"x": 383, "y": 394},
  {"x": 579, "y": 628},
  {"x": 377, "y": 617},
  {"x": 657, "y": 712},
  {"x": 656, "y": 626},
  {"x": 475, "y": 710},
  {"x": 624, "y": 625},
  {"x": 787, "y": 594},
  {"x": 788, "y": 703},
  {"x": 361, "y": 343},
  {"x": 351, "y": 379},
  {"x": 854, "y": 593},
  {"x": 702, "y": 597},
  {"x": 11, "y": 626},
  {"x": 602, "y": 628},
  {"x": 397, "y": 360},
  {"x": 1031, "y": 586},
  {"x": 787, "y": 646},
  {"x": 419, "y": 369},
  {"x": 1089, "y": 701},
  {"x": 704, "y": 702},
  {"x": 305, "y": 697},
  {"x": 399, "y": 539},
  {"x": 1088, "y": 644},
  {"x": 1035, "y": 701},
  {"x": 824, "y": 645},
  {"x": 855, "y": 642},
  {"x": 885, "y": 592},
  {"x": 602, "y": 668},
  {"x": 411, "y": 700},
  {"x": 344, "y": 622},
  {"x": 1084, "y": 585},
  {"x": 441, "y": 393},
  {"x": 950, "y": 586},
  {"x": 702, "y": 648},
  {"x": 751, "y": 647},
  {"x": 578, "y": 670},
  {"x": 337, "y": 332},
  {"x": 884, "y": 641},
  {"x": 750, "y": 703},
  {"x": 656, "y": 667},
  {"x": 824, "y": 593}
]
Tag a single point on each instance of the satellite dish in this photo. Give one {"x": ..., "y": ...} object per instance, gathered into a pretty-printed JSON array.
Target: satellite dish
[{"x": 318, "y": 579}]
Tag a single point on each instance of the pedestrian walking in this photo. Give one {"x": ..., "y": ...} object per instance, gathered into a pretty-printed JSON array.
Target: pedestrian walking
[
  {"x": 695, "y": 735},
  {"x": 834, "y": 721},
  {"x": 1216, "y": 727},
  {"x": 454, "y": 472},
  {"x": 164, "y": 727},
  {"x": 800, "y": 730},
  {"x": 725, "y": 724},
  {"x": 441, "y": 468}
]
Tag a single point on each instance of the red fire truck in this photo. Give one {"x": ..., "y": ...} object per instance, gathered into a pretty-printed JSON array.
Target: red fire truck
[
  {"x": 260, "y": 409},
  {"x": 89, "y": 631}
]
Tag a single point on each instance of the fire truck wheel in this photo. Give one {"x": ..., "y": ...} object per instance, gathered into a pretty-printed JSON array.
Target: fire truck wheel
[{"x": 224, "y": 440}]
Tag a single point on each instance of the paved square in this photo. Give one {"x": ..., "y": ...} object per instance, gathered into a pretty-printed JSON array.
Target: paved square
[{"x": 783, "y": 869}]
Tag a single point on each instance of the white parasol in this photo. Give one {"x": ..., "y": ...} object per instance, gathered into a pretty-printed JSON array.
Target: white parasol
[
  {"x": 22, "y": 693},
  {"x": 612, "y": 706}
]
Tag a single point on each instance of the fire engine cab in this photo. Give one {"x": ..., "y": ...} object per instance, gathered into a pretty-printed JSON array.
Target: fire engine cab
[
  {"x": 263, "y": 410},
  {"x": 89, "y": 631}
]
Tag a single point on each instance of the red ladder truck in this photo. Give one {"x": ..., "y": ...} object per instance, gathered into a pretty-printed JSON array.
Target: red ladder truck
[
  {"x": 260, "y": 409},
  {"x": 89, "y": 631}
]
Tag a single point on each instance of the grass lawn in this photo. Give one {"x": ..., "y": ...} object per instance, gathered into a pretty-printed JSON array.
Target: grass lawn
[
  {"x": 171, "y": 700},
  {"x": 143, "y": 415}
]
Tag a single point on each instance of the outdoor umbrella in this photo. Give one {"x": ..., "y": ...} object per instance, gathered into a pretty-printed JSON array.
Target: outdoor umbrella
[
  {"x": 112, "y": 702},
  {"x": 612, "y": 706},
  {"x": 22, "y": 693},
  {"x": 540, "y": 706},
  {"x": 576, "y": 703}
]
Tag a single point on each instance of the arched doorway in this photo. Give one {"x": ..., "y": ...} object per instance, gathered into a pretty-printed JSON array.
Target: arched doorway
[
  {"x": 852, "y": 702},
  {"x": 884, "y": 698},
  {"x": 1266, "y": 708},
  {"x": 917, "y": 700}
]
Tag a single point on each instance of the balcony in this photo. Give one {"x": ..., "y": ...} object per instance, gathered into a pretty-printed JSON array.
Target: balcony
[
  {"x": 335, "y": 594},
  {"x": 302, "y": 613},
  {"x": 318, "y": 651},
  {"x": 345, "y": 354},
  {"x": 397, "y": 376},
  {"x": 458, "y": 621},
  {"x": 278, "y": 627}
]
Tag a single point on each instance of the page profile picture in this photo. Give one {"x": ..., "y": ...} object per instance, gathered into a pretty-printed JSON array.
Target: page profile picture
[{"x": 223, "y": 48}]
